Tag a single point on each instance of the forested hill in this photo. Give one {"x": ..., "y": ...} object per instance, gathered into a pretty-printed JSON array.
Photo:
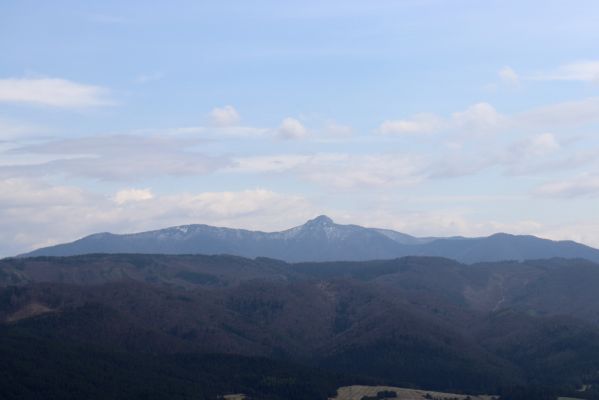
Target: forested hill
[{"x": 417, "y": 321}]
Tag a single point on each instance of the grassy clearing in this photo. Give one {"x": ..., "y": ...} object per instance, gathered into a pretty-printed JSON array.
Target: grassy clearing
[{"x": 358, "y": 392}]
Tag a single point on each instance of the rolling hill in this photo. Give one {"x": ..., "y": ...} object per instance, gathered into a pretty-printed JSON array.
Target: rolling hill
[{"x": 421, "y": 322}]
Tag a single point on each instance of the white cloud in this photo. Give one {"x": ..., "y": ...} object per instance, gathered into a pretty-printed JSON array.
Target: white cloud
[
  {"x": 569, "y": 114},
  {"x": 358, "y": 172},
  {"x": 537, "y": 145},
  {"x": 340, "y": 171},
  {"x": 52, "y": 92},
  {"x": 224, "y": 116},
  {"x": 23, "y": 193},
  {"x": 419, "y": 123},
  {"x": 132, "y": 195},
  {"x": 535, "y": 155},
  {"x": 582, "y": 186},
  {"x": 117, "y": 157},
  {"x": 337, "y": 130},
  {"x": 482, "y": 119},
  {"x": 34, "y": 214},
  {"x": 460, "y": 163},
  {"x": 509, "y": 76},
  {"x": 219, "y": 206},
  {"x": 291, "y": 128},
  {"x": 274, "y": 163},
  {"x": 478, "y": 119},
  {"x": 585, "y": 71},
  {"x": 543, "y": 143},
  {"x": 472, "y": 142},
  {"x": 10, "y": 129},
  {"x": 582, "y": 231}
]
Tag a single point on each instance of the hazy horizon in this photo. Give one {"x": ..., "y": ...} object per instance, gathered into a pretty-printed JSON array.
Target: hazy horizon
[{"x": 426, "y": 117}]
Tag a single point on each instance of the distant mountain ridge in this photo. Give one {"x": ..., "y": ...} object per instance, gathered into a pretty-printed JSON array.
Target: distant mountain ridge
[{"x": 320, "y": 239}]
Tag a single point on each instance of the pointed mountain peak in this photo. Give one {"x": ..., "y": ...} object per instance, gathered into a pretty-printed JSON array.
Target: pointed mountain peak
[{"x": 321, "y": 220}]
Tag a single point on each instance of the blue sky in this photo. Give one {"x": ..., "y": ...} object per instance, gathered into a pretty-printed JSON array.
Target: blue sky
[{"x": 429, "y": 117}]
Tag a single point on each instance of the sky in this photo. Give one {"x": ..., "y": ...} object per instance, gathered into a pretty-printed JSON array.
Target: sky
[{"x": 430, "y": 117}]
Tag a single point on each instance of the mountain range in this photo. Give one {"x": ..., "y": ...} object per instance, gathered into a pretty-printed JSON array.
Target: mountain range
[
  {"x": 197, "y": 311},
  {"x": 320, "y": 239}
]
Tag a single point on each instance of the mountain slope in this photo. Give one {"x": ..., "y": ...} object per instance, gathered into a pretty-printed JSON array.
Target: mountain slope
[
  {"x": 536, "y": 287},
  {"x": 320, "y": 239},
  {"x": 503, "y": 246},
  {"x": 73, "y": 371},
  {"x": 415, "y": 321}
]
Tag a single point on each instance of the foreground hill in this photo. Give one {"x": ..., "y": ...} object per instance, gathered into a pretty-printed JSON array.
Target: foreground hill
[
  {"x": 35, "y": 368},
  {"x": 413, "y": 322},
  {"x": 320, "y": 239}
]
